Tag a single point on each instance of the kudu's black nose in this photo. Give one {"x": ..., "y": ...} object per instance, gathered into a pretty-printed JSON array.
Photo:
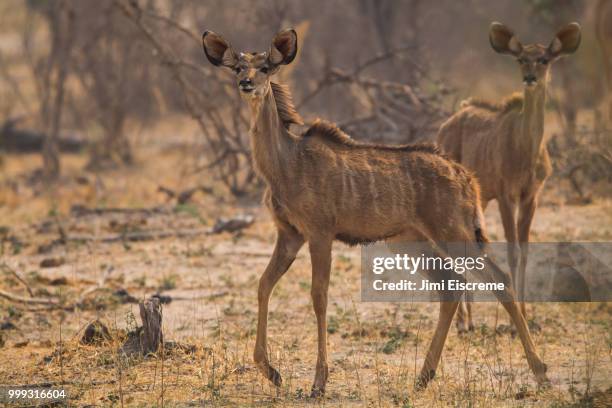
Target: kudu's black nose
[
  {"x": 245, "y": 82},
  {"x": 529, "y": 79}
]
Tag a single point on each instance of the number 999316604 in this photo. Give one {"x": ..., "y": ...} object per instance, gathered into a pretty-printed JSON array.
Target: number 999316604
[{"x": 16, "y": 395}]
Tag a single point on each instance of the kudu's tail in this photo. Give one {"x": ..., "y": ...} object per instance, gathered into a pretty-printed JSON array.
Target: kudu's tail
[{"x": 478, "y": 221}]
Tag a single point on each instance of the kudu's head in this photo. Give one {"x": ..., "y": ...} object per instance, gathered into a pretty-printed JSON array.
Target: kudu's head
[
  {"x": 253, "y": 69},
  {"x": 535, "y": 59}
]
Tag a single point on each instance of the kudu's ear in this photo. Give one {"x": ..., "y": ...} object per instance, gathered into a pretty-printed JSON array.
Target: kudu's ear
[
  {"x": 284, "y": 47},
  {"x": 218, "y": 51},
  {"x": 503, "y": 40},
  {"x": 566, "y": 40}
]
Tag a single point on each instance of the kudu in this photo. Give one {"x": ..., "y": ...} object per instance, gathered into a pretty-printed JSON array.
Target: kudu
[
  {"x": 322, "y": 185},
  {"x": 503, "y": 144}
]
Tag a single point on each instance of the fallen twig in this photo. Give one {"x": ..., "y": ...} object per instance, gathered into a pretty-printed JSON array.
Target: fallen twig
[
  {"x": 18, "y": 277},
  {"x": 222, "y": 225},
  {"x": 232, "y": 224},
  {"x": 31, "y": 301},
  {"x": 80, "y": 211},
  {"x": 184, "y": 196},
  {"x": 165, "y": 299},
  {"x": 138, "y": 236},
  {"x": 48, "y": 384}
]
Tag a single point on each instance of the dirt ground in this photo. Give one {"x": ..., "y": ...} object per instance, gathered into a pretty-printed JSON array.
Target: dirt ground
[{"x": 376, "y": 349}]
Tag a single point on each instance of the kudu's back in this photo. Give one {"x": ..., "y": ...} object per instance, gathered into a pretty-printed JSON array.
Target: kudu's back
[{"x": 373, "y": 192}]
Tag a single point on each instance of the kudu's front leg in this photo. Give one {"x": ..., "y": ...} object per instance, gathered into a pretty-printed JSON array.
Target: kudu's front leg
[
  {"x": 526, "y": 212},
  {"x": 507, "y": 209},
  {"x": 320, "y": 256},
  {"x": 288, "y": 243}
]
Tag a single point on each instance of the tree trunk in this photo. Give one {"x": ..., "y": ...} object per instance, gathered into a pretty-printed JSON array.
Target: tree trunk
[
  {"x": 151, "y": 336},
  {"x": 51, "y": 162},
  {"x": 60, "y": 18},
  {"x": 148, "y": 338},
  {"x": 603, "y": 30},
  {"x": 116, "y": 140}
]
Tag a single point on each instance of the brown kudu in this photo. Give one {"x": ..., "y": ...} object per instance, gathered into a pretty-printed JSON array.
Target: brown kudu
[
  {"x": 322, "y": 186},
  {"x": 503, "y": 144}
]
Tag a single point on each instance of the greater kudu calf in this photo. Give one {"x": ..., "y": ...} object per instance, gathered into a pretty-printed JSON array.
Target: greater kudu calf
[
  {"x": 503, "y": 143},
  {"x": 322, "y": 186}
]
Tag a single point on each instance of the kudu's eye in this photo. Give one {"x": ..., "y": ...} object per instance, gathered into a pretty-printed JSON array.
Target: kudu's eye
[
  {"x": 542, "y": 61},
  {"x": 264, "y": 70},
  {"x": 238, "y": 70}
]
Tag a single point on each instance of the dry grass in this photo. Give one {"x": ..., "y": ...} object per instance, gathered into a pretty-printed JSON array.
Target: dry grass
[{"x": 376, "y": 349}]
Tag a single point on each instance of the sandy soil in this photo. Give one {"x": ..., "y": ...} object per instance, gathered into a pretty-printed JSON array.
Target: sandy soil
[{"x": 376, "y": 349}]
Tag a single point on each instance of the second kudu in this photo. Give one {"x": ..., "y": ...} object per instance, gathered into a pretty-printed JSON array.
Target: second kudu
[
  {"x": 503, "y": 144},
  {"x": 324, "y": 186}
]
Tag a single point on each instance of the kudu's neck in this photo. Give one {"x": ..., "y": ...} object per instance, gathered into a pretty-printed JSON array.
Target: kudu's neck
[
  {"x": 531, "y": 131},
  {"x": 271, "y": 143}
]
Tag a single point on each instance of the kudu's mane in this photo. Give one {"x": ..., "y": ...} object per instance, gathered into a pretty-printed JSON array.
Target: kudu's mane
[
  {"x": 509, "y": 103},
  {"x": 330, "y": 131},
  {"x": 284, "y": 105}
]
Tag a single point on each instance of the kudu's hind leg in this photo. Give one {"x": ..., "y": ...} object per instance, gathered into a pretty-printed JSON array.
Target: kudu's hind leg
[
  {"x": 448, "y": 307},
  {"x": 508, "y": 300},
  {"x": 445, "y": 318},
  {"x": 320, "y": 256},
  {"x": 288, "y": 243},
  {"x": 464, "y": 320},
  {"x": 446, "y": 313},
  {"x": 469, "y": 299}
]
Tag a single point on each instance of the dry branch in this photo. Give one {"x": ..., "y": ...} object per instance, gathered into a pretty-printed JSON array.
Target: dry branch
[
  {"x": 396, "y": 111},
  {"x": 184, "y": 196},
  {"x": 17, "y": 276},
  {"x": 220, "y": 136},
  {"x": 138, "y": 236},
  {"x": 80, "y": 211},
  {"x": 29, "y": 301}
]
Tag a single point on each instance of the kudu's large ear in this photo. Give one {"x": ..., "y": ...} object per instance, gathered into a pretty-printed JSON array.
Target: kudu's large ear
[
  {"x": 503, "y": 40},
  {"x": 218, "y": 51},
  {"x": 566, "y": 40},
  {"x": 284, "y": 47}
]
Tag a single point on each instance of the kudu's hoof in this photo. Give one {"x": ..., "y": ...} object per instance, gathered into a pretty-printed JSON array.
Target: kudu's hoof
[
  {"x": 275, "y": 377},
  {"x": 506, "y": 329},
  {"x": 544, "y": 384},
  {"x": 542, "y": 380},
  {"x": 317, "y": 392},
  {"x": 541, "y": 377},
  {"x": 463, "y": 328},
  {"x": 271, "y": 374},
  {"x": 534, "y": 327},
  {"x": 424, "y": 379}
]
